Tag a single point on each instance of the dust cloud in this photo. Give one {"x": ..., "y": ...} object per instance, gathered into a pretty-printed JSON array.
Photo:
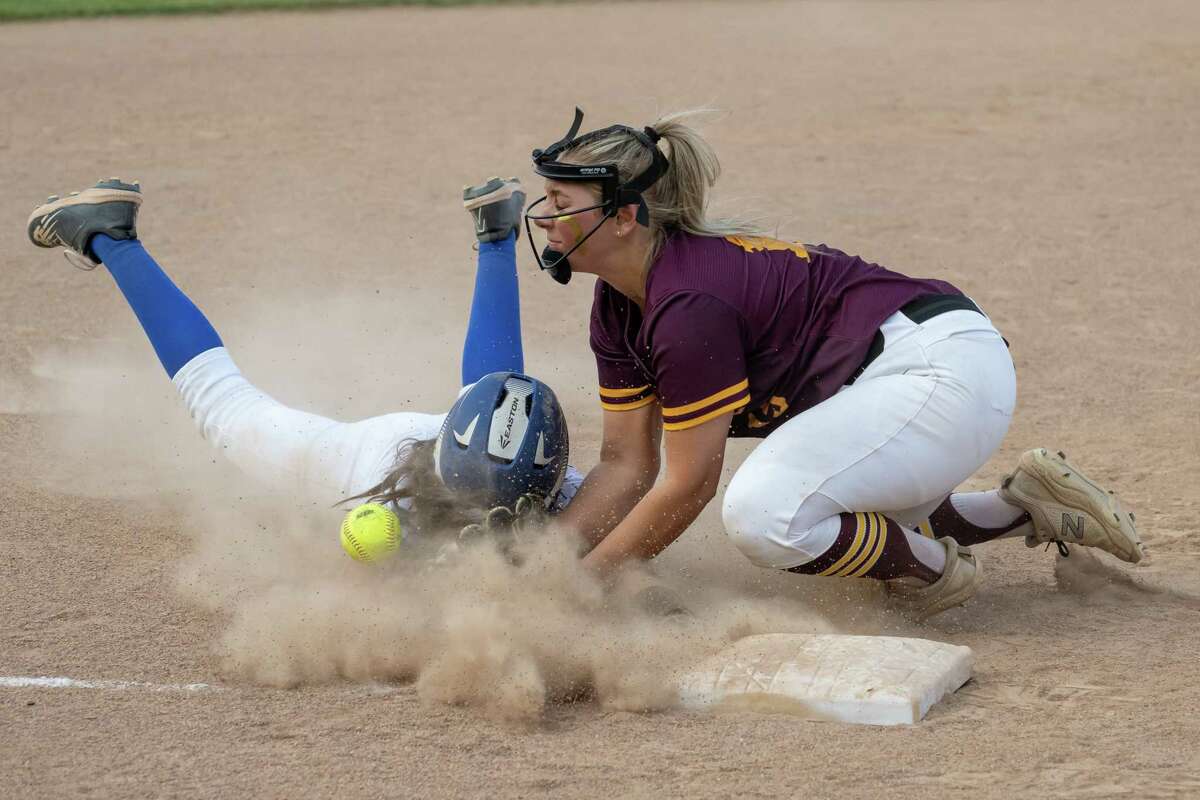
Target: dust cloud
[
  {"x": 1100, "y": 576},
  {"x": 474, "y": 630}
]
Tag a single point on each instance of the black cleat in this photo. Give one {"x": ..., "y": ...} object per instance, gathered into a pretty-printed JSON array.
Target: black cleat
[
  {"x": 496, "y": 207},
  {"x": 110, "y": 207}
]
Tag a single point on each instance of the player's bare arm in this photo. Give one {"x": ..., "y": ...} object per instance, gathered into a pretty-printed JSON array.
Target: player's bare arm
[
  {"x": 628, "y": 467},
  {"x": 694, "y": 460}
]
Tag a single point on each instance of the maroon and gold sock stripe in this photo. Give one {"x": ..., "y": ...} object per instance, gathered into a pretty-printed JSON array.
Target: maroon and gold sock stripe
[{"x": 870, "y": 539}]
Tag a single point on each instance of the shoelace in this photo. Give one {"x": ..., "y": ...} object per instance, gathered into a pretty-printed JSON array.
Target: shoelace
[{"x": 1062, "y": 547}]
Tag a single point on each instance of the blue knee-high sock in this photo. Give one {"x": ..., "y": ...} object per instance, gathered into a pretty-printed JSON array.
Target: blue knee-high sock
[
  {"x": 176, "y": 328},
  {"x": 493, "y": 342}
]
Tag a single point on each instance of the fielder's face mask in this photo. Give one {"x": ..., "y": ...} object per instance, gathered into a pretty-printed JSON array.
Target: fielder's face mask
[{"x": 613, "y": 193}]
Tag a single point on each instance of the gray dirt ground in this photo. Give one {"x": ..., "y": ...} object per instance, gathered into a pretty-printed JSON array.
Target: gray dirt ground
[{"x": 301, "y": 172}]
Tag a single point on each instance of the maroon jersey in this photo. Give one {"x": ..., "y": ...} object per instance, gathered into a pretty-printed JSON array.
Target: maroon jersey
[{"x": 764, "y": 328}]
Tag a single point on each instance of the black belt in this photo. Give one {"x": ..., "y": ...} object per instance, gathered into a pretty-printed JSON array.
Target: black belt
[{"x": 920, "y": 310}]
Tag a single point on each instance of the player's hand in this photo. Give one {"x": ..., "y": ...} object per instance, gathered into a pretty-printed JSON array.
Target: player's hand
[{"x": 505, "y": 525}]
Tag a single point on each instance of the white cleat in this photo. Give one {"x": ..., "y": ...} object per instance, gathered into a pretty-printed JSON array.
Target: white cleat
[
  {"x": 1068, "y": 507},
  {"x": 958, "y": 584}
]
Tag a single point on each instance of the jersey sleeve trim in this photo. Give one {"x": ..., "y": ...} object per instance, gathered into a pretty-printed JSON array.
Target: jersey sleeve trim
[
  {"x": 628, "y": 407},
  {"x": 741, "y": 402},
  {"x": 716, "y": 397},
  {"x": 645, "y": 401},
  {"x": 613, "y": 394},
  {"x": 626, "y": 399}
]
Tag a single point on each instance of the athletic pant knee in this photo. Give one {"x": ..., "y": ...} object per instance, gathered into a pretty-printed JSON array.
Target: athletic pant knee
[{"x": 748, "y": 517}]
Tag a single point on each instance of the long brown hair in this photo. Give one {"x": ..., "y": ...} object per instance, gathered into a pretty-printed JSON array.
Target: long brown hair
[{"x": 413, "y": 484}]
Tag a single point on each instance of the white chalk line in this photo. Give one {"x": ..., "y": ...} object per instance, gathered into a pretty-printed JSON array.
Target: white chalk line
[
  {"x": 55, "y": 682},
  {"x": 46, "y": 682}
]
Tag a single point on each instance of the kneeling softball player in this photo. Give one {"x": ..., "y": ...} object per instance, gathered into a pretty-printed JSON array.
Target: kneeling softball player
[{"x": 876, "y": 394}]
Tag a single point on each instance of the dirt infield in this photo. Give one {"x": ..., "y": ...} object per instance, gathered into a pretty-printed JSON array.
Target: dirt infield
[{"x": 301, "y": 173}]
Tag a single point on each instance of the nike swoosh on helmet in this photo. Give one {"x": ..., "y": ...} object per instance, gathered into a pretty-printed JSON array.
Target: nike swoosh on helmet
[
  {"x": 539, "y": 457},
  {"x": 464, "y": 438}
]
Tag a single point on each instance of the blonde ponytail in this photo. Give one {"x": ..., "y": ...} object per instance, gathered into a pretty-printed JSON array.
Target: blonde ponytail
[{"x": 678, "y": 201}]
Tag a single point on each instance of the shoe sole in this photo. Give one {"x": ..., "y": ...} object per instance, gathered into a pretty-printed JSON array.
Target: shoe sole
[
  {"x": 1071, "y": 488},
  {"x": 88, "y": 197},
  {"x": 494, "y": 191}
]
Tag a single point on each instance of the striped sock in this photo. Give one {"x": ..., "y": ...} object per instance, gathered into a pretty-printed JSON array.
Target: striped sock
[{"x": 869, "y": 545}]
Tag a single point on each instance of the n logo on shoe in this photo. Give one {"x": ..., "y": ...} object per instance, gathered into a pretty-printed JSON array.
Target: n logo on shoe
[{"x": 1072, "y": 525}]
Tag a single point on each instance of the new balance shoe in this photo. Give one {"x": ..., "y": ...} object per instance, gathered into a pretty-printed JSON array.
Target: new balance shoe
[
  {"x": 110, "y": 207},
  {"x": 1069, "y": 507},
  {"x": 496, "y": 207},
  {"x": 958, "y": 584}
]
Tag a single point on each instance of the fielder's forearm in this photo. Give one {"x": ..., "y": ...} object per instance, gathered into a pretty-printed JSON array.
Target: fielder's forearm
[
  {"x": 654, "y": 523},
  {"x": 608, "y": 494}
]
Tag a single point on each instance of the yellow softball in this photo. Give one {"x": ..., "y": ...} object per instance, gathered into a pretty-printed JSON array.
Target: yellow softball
[{"x": 371, "y": 532}]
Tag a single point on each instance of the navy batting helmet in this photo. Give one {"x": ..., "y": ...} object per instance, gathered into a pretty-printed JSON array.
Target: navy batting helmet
[{"x": 505, "y": 436}]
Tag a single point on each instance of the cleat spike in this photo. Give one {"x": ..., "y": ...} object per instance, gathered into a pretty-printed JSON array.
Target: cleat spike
[
  {"x": 79, "y": 262},
  {"x": 51, "y": 198},
  {"x": 73, "y": 194}
]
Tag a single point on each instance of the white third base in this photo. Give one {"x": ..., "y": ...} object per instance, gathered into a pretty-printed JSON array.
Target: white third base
[{"x": 870, "y": 680}]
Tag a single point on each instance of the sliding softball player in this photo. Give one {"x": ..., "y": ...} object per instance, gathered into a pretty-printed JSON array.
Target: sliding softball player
[{"x": 504, "y": 437}]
